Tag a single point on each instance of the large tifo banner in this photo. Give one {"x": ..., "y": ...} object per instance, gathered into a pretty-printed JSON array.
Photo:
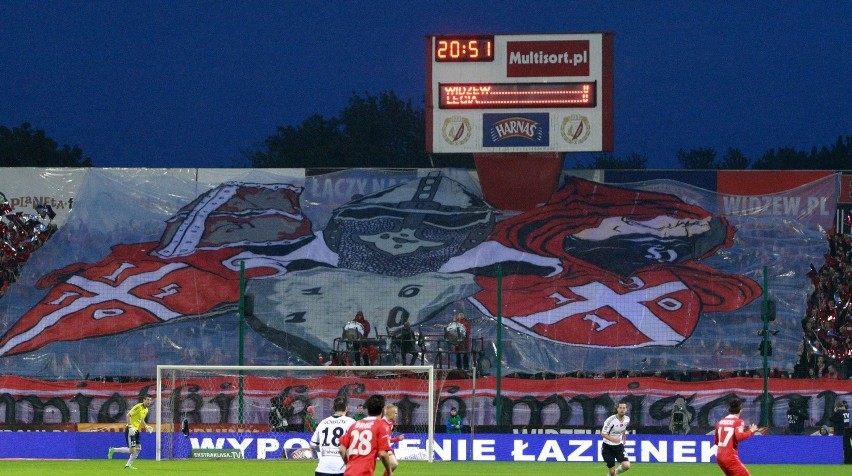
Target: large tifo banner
[{"x": 654, "y": 274}]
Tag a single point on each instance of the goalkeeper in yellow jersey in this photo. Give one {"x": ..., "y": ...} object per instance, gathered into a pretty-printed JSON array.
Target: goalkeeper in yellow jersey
[{"x": 135, "y": 424}]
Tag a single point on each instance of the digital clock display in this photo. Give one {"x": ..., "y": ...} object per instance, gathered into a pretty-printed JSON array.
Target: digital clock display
[{"x": 464, "y": 48}]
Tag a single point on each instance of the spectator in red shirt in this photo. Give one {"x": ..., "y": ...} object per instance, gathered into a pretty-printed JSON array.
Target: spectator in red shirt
[
  {"x": 310, "y": 420},
  {"x": 462, "y": 349},
  {"x": 362, "y": 356}
]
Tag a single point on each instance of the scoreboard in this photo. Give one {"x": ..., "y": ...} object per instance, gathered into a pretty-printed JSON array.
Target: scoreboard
[{"x": 519, "y": 93}]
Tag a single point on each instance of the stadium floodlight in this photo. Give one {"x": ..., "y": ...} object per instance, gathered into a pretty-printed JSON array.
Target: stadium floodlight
[{"x": 192, "y": 400}]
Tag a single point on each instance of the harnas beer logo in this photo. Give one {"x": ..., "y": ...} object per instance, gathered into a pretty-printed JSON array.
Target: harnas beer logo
[{"x": 516, "y": 130}]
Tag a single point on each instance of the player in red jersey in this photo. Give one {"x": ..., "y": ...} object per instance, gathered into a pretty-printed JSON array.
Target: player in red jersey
[
  {"x": 730, "y": 431},
  {"x": 366, "y": 440},
  {"x": 389, "y": 417}
]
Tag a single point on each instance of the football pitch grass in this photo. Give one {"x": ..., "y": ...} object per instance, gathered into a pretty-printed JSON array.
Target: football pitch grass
[{"x": 406, "y": 468}]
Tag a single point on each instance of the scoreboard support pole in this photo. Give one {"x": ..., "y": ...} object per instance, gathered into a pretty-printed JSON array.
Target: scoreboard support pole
[{"x": 518, "y": 180}]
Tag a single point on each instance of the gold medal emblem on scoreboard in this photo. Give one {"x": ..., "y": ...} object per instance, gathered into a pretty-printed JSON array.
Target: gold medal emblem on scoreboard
[
  {"x": 575, "y": 129},
  {"x": 456, "y": 130}
]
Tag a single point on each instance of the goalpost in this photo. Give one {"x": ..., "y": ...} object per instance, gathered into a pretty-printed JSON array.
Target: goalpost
[{"x": 223, "y": 407}]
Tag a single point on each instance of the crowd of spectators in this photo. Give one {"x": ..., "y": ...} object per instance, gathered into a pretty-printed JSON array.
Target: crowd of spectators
[
  {"x": 20, "y": 235},
  {"x": 674, "y": 375},
  {"x": 826, "y": 350}
]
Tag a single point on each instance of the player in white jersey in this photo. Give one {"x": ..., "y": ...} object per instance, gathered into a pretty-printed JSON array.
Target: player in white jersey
[
  {"x": 326, "y": 440},
  {"x": 614, "y": 435}
]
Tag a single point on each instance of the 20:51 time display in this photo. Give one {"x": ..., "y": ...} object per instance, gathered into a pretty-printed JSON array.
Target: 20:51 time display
[{"x": 464, "y": 48}]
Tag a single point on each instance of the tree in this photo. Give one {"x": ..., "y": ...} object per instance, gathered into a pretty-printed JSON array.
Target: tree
[
  {"x": 317, "y": 142},
  {"x": 384, "y": 131},
  {"x": 839, "y": 156},
  {"x": 372, "y": 131},
  {"x": 785, "y": 158},
  {"x": 23, "y": 146},
  {"x": 734, "y": 159},
  {"x": 836, "y": 157},
  {"x": 697, "y": 159}
]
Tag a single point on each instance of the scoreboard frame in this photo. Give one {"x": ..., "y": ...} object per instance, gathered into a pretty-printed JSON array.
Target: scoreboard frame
[{"x": 519, "y": 93}]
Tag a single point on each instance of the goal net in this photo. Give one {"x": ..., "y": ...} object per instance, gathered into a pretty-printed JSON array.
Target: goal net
[{"x": 210, "y": 411}]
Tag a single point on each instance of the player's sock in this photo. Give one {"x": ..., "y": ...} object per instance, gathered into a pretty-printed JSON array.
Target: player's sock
[{"x": 619, "y": 470}]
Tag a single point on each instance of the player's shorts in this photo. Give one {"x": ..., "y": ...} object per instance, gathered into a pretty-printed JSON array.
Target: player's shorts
[
  {"x": 132, "y": 441},
  {"x": 612, "y": 453}
]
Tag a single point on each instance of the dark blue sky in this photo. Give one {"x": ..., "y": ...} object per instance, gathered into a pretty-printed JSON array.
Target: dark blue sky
[{"x": 177, "y": 84}]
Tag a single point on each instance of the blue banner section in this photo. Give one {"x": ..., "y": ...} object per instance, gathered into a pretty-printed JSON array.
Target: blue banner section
[
  {"x": 531, "y": 129},
  {"x": 704, "y": 179},
  {"x": 485, "y": 447}
]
